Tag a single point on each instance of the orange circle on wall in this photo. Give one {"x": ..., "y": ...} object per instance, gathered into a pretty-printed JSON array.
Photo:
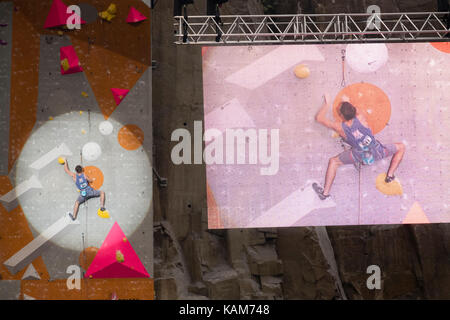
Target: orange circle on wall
[
  {"x": 370, "y": 101},
  {"x": 131, "y": 137},
  {"x": 94, "y": 173},
  {"x": 441, "y": 46},
  {"x": 86, "y": 257}
]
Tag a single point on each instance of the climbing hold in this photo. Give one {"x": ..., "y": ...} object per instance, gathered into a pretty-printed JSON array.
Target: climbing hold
[
  {"x": 60, "y": 33},
  {"x": 84, "y": 94},
  {"x": 69, "y": 61},
  {"x": 301, "y": 71},
  {"x": 61, "y": 160},
  {"x": 415, "y": 215},
  {"x": 135, "y": 16},
  {"x": 50, "y": 118},
  {"x": 119, "y": 94},
  {"x": 103, "y": 214},
  {"x": 81, "y": 112},
  {"x": 124, "y": 239},
  {"x": 105, "y": 128},
  {"x": 393, "y": 188},
  {"x": 119, "y": 256},
  {"x": 65, "y": 64},
  {"x": 109, "y": 13},
  {"x": 83, "y": 131}
]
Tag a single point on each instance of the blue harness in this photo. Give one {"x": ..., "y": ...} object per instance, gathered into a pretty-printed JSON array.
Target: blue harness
[{"x": 82, "y": 184}]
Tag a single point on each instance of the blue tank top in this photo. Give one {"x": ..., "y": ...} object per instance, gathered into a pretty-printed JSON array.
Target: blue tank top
[
  {"x": 365, "y": 148},
  {"x": 81, "y": 183}
]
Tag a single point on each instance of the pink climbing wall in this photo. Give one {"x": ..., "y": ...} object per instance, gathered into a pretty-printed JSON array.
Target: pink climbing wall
[{"x": 403, "y": 90}]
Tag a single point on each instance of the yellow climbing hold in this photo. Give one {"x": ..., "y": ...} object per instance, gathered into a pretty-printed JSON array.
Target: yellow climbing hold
[
  {"x": 84, "y": 94},
  {"x": 393, "y": 188},
  {"x": 124, "y": 239},
  {"x": 61, "y": 160},
  {"x": 301, "y": 71},
  {"x": 60, "y": 33},
  {"x": 109, "y": 13},
  {"x": 83, "y": 131},
  {"x": 81, "y": 112},
  {"x": 50, "y": 118},
  {"x": 65, "y": 64},
  {"x": 103, "y": 214},
  {"x": 119, "y": 256}
]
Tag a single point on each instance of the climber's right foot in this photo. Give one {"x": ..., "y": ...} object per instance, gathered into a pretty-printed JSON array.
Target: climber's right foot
[{"x": 319, "y": 190}]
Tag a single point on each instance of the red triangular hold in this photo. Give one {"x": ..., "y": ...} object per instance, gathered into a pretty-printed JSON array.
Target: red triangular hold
[
  {"x": 58, "y": 15},
  {"x": 119, "y": 94},
  {"x": 106, "y": 263},
  {"x": 69, "y": 60},
  {"x": 135, "y": 16}
]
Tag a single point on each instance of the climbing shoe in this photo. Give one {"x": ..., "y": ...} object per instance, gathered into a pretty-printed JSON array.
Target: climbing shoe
[
  {"x": 389, "y": 179},
  {"x": 319, "y": 191},
  {"x": 71, "y": 216}
]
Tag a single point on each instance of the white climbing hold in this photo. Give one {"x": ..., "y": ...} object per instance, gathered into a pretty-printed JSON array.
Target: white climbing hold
[
  {"x": 105, "y": 128},
  {"x": 91, "y": 151}
]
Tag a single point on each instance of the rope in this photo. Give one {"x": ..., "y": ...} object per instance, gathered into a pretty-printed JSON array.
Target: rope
[
  {"x": 358, "y": 167},
  {"x": 343, "y": 82}
]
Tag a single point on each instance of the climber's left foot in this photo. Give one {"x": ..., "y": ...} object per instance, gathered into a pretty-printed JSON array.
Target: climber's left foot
[
  {"x": 319, "y": 191},
  {"x": 389, "y": 179}
]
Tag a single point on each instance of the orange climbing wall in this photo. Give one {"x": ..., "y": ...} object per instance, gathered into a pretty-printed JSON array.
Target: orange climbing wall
[{"x": 91, "y": 289}]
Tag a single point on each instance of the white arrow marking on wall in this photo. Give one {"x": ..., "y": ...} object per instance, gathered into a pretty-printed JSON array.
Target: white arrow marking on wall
[
  {"x": 32, "y": 250},
  {"x": 32, "y": 183},
  {"x": 52, "y": 155},
  {"x": 272, "y": 64},
  {"x": 294, "y": 207}
]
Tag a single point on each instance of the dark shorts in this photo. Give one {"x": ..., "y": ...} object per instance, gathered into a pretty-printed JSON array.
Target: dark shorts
[
  {"x": 389, "y": 149},
  {"x": 90, "y": 193}
]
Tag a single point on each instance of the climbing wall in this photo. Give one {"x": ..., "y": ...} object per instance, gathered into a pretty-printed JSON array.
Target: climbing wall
[
  {"x": 83, "y": 95},
  {"x": 402, "y": 89}
]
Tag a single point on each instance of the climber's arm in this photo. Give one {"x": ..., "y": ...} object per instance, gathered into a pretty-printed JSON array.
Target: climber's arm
[
  {"x": 66, "y": 169},
  {"x": 321, "y": 117}
]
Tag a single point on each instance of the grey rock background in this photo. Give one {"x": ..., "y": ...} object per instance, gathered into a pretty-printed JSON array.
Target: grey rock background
[{"x": 192, "y": 262}]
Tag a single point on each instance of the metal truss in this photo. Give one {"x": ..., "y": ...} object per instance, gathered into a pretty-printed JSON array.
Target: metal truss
[{"x": 312, "y": 28}]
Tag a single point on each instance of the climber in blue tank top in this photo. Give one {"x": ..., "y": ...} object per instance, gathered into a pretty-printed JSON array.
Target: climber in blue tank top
[
  {"x": 365, "y": 148},
  {"x": 82, "y": 182}
]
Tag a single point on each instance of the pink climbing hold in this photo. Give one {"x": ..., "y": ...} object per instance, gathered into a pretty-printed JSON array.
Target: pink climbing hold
[
  {"x": 69, "y": 60},
  {"x": 119, "y": 94},
  {"x": 135, "y": 16},
  {"x": 105, "y": 264},
  {"x": 58, "y": 15}
]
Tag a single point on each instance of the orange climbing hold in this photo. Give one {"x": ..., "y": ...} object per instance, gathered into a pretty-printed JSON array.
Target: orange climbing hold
[{"x": 130, "y": 137}]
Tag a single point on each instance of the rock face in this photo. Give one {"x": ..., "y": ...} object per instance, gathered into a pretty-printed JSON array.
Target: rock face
[{"x": 192, "y": 262}]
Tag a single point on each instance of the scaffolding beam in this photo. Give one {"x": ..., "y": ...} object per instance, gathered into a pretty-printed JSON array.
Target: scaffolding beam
[{"x": 312, "y": 28}]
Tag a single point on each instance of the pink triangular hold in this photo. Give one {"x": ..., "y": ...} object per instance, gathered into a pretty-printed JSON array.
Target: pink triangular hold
[
  {"x": 416, "y": 215},
  {"x": 107, "y": 265},
  {"x": 58, "y": 15},
  {"x": 135, "y": 16},
  {"x": 69, "y": 60},
  {"x": 119, "y": 94}
]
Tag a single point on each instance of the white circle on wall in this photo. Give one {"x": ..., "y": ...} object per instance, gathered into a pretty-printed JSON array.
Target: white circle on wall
[
  {"x": 366, "y": 57},
  {"x": 91, "y": 151},
  {"x": 105, "y": 128}
]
